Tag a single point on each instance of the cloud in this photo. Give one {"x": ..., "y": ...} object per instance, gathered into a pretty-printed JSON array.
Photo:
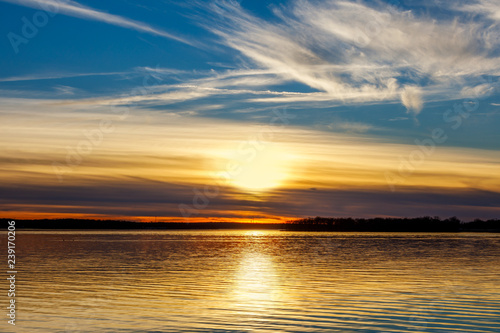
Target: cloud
[
  {"x": 478, "y": 91},
  {"x": 152, "y": 161},
  {"x": 195, "y": 85},
  {"x": 350, "y": 127},
  {"x": 75, "y": 9},
  {"x": 139, "y": 197},
  {"x": 411, "y": 97},
  {"x": 56, "y": 76},
  {"x": 65, "y": 90},
  {"x": 344, "y": 52},
  {"x": 359, "y": 52},
  {"x": 488, "y": 8}
]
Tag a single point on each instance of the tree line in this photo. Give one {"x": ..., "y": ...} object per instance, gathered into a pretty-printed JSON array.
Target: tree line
[{"x": 416, "y": 224}]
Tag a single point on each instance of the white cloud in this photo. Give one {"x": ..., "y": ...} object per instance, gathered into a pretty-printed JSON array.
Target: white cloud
[
  {"x": 55, "y": 76},
  {"x": 489, "y": 8},
  {"x": 358, "y": 52},
  {"x": 411, "y": 97},
  {"x": 347, "y": 52},
  {"x": 75, "y": 9},
  {"x": 477, "y": 91}
]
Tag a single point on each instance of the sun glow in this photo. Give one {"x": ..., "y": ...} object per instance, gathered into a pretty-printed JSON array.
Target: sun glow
[{"x": 265, "y": 171}]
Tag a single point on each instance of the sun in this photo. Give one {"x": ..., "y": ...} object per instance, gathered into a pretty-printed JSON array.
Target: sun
[{"x": 263, "y": 172}]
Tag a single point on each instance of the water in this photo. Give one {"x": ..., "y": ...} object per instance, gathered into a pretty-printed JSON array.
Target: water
[{"x": 255, "y": 281}]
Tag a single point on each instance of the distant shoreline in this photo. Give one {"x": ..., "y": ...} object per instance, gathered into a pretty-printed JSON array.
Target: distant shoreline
[{"x": 419, "y": 224}]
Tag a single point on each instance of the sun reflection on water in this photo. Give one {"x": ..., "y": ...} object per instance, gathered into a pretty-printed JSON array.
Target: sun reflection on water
[{"x": 257, "y": 288}]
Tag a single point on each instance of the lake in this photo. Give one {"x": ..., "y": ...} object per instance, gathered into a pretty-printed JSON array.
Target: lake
[{"x": 255, "y": 281}]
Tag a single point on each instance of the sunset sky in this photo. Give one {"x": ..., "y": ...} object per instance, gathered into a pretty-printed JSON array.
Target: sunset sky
[{"x": 249, "y": 110}]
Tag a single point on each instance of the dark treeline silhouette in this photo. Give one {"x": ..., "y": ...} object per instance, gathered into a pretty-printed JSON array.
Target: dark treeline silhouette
[{"x": 417, "y": 224}]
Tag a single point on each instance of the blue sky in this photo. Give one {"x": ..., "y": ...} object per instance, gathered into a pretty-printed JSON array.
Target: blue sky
[{"x": 387, "y": 73}]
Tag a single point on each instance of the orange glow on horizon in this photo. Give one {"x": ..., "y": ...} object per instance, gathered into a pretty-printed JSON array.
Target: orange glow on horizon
[{"x": 22, "y": 215}]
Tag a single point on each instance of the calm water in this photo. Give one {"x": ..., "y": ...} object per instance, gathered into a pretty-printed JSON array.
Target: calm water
[{"x": 256, "y": 281}]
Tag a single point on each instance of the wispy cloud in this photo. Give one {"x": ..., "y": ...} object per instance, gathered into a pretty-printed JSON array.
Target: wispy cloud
[
  {"x": 195, "y": 85},
  {"x": 56, "y": 76},
  {"x": 350, "y": 127},
  {"x": 75, "y": 9},
  {"x": 345, "y": 52},
  {"x": 488, "y": 8},
  {"x": 65, "y": 90},
  {"x": 363, "y": 52}
]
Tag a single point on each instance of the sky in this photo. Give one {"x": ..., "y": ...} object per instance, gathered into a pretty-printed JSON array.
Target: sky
[{"x": 249, "y": 110}]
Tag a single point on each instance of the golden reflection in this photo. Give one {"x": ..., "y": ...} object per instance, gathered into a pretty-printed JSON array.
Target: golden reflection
[
  {"x": 257, "y": 289},
  {"x": 255, "y": 285},
  {"x": 255, "y": 233}
]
